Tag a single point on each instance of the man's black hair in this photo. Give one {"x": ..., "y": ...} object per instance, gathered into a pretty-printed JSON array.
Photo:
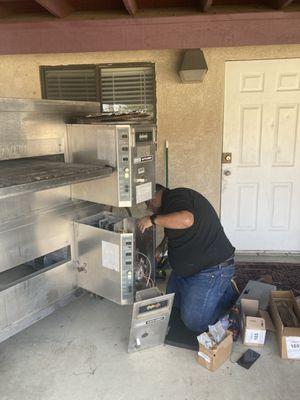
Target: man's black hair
[{"x": 159, "y": 187}]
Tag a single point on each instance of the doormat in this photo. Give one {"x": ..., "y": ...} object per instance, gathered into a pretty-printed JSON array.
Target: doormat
[
  {"x": 284, "y": 276},
  {"x": 179, "y": 335}
]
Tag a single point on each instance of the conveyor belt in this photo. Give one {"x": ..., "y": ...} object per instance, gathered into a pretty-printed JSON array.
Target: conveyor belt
[{"x": 31, "y": 175}]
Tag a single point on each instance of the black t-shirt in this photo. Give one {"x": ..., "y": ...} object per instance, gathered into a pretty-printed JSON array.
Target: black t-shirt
[{"x": 202, "y": 245}]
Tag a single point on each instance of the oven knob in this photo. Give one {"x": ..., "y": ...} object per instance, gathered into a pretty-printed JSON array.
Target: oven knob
[{"x": 129, "y": 274}]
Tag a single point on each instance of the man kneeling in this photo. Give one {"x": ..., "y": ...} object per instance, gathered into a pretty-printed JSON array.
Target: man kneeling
[{"x": 200, "y": 255}]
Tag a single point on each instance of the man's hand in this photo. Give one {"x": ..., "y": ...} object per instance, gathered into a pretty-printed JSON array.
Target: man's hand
[{"x": 144, "y": 223}]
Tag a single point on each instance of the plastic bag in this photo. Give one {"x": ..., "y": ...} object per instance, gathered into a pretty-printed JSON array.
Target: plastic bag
[
  {"x": 217, "y": 332},
  {"x": 225, "y": 322},
  {"x": 206, "y": 341}
]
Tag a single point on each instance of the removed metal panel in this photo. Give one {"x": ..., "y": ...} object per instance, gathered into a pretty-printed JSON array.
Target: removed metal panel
[{"x": 150, "y": 319}]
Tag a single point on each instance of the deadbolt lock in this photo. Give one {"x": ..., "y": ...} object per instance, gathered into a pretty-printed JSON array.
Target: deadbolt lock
[
  {"x": 226, "y": 158},
  {"x": 82, "y": 268}
]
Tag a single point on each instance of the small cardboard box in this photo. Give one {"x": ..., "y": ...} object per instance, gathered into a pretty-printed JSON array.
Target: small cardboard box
[
  {"x": 255, "y": 323},
  {"x": 288, "y": 338},
  {"x": 214, "y": 358}
]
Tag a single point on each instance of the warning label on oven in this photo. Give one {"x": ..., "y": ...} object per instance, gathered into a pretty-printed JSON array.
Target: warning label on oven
[
  {"x": 155, "y": 320},
  {"x": 138, "y": 160},
  {"x": 110, "y": 256},
  {"x": 143, "y": 192}
]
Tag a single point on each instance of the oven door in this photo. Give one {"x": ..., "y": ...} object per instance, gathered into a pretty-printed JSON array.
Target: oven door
[{"x": 104, "y": 260}]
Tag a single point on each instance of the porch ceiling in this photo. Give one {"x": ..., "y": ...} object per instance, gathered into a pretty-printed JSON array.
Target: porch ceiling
[{"x": 45, "y": 26}]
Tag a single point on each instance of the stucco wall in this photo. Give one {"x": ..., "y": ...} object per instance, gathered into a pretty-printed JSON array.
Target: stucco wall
[{"x": 190, "y": 116}]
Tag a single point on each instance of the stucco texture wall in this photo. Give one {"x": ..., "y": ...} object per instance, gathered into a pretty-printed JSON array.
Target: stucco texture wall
[{"x": 189, "y": 116}]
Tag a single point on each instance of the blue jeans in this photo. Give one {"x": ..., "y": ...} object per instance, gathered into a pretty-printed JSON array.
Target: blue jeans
[{"x": 203, "y": 298}]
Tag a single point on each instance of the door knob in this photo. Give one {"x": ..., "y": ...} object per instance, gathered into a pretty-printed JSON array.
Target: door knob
[{"x": 227, "y": 172}]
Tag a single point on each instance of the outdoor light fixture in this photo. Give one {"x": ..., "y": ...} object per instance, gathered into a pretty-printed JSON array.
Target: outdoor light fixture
[{"x": 193, "y": 66}]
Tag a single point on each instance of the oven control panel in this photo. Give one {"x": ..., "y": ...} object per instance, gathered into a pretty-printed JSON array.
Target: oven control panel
[
  {"x": 127, "y": 270},
  {"x": 124, "y": 163}
]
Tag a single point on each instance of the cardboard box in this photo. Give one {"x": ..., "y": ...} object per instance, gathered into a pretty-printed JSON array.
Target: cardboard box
[
  {"x": 288, "y": 338},
  {"x": 255, "y": 323},
  {"x": 214, "y": 358},
  {"x": 259, "y": 291}
]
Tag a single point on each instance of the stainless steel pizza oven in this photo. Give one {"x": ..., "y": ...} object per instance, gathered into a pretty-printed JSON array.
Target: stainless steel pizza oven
[
  {"x": 114, "y": 259},
  {"x": 56, "y": 234},
  {"x": 128, "y": 148}
]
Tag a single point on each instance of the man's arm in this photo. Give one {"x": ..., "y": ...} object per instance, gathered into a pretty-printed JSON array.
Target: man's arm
[{"x": 176, "y": 220}]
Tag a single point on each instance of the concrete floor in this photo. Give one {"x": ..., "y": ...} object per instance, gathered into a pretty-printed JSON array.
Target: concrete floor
[{"x": 79, "y": 353}]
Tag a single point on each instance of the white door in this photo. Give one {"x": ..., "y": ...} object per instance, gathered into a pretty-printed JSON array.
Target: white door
[{"x": 260, "y": 201}]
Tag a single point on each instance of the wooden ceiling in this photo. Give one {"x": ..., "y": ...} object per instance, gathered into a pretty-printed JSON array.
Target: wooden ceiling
[
  {"x": 25, "y": 9},
  {"x": 45, "y": 26}
]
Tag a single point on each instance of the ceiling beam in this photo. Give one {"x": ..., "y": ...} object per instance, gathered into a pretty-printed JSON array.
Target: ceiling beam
[
  {"x": 4, "y": 11},
  {"x": 180, "y": 32},
  {"x": 205, "y": 5},
  {"x": 59, "y": 8},
  {"x": 278, "y": 4},
  {"x": 131, "y": 6}
]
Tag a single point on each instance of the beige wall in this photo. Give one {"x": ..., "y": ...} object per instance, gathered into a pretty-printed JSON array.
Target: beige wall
[{"x": 190, "y": 116}]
